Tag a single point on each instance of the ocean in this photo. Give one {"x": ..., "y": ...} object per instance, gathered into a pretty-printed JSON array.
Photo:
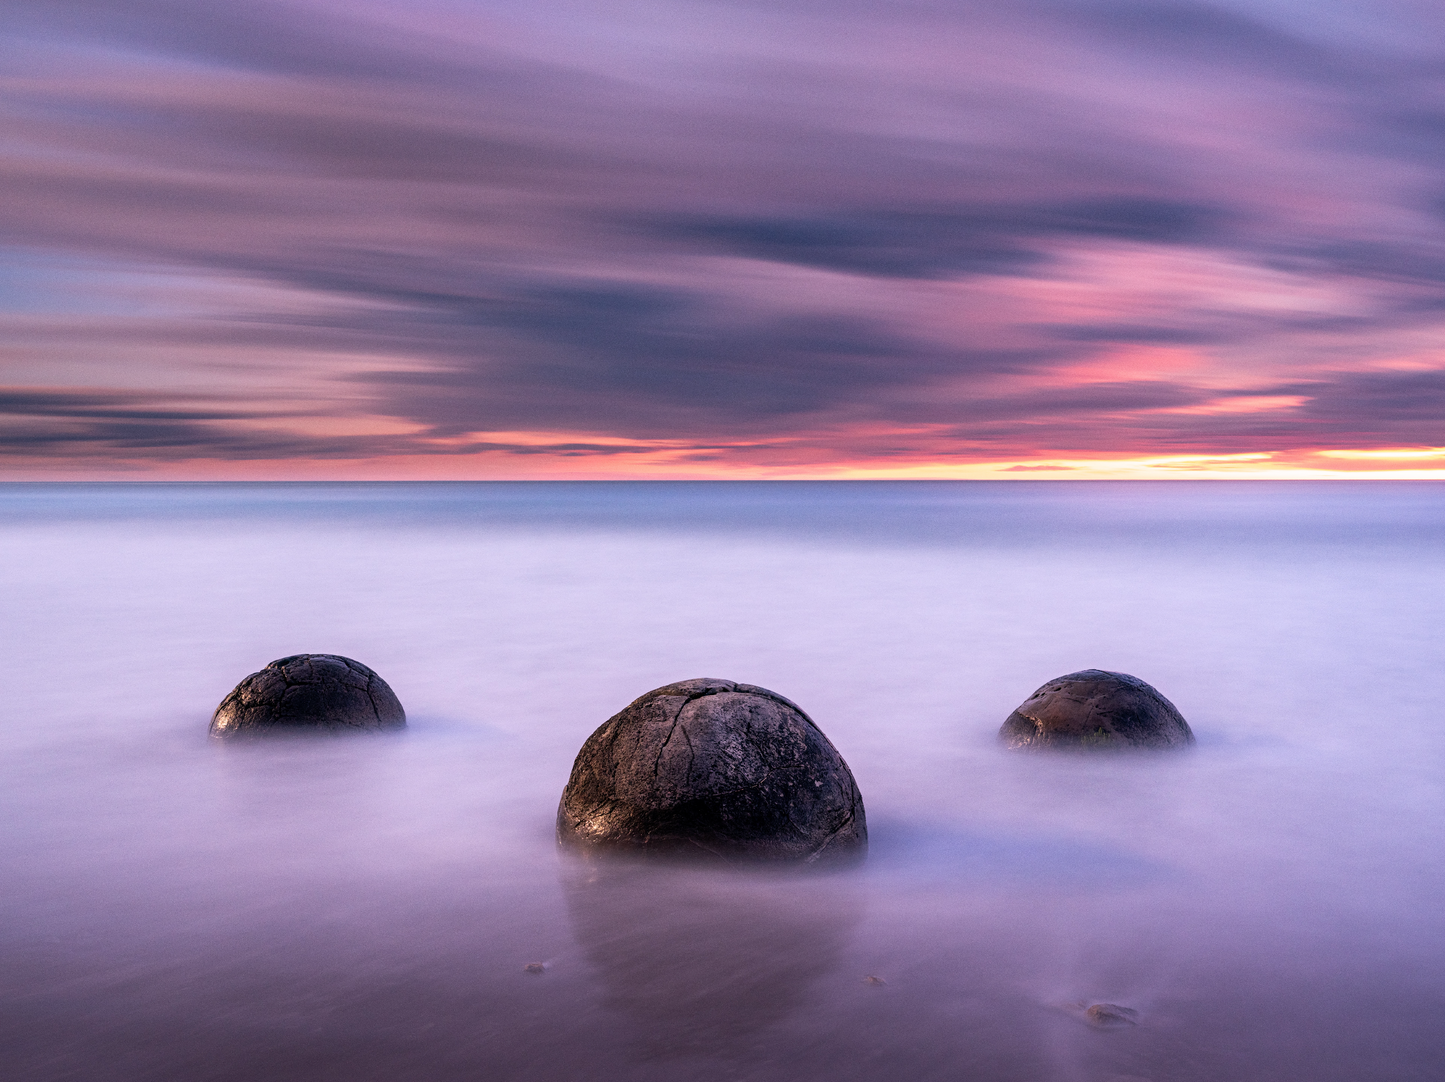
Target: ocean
[{"x": 1268, "y": 901}]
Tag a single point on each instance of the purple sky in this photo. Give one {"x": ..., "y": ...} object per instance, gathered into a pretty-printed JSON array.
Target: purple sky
[{"x": 454, "y": 239}]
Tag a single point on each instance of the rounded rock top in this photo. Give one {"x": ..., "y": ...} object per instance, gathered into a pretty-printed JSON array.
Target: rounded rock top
[
  {"x": 309, "y": 693},
  {"x": 713, "y": 768},
  {"x": 1096, "y": 709}
]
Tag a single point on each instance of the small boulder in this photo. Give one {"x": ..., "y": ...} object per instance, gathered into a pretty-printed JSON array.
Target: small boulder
[
  {"x": 715, "y": 768},
  {"x": 1096, "y": 709},
  {"x": 308, "y": 692}
]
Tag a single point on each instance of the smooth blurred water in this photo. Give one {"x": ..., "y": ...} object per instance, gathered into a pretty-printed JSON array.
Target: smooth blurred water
[{"x": 357, "y": 909}]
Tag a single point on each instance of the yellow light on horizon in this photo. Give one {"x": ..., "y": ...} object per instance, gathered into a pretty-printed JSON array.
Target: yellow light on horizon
[{"x": 1387, "y": 453}]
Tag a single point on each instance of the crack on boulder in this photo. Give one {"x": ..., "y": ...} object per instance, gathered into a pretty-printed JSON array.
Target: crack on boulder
[
  {"x": 818, "y": 852},
  {"x": 657, "y": 763}
]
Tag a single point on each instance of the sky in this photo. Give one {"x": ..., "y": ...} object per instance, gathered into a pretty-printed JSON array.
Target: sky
[{"x": 315, "y": 239}]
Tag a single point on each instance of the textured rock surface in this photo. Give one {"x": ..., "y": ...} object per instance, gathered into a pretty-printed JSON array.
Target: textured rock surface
[
  {"x": 713, "y": 767},
  {"x": 1110, "y": 1015},
  {"x": 1094, "y": 708},
  {"x": 309, "y": 692}
]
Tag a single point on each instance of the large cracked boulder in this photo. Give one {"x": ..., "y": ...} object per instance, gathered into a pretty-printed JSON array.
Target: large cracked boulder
[
  {"x": 1096, "y": 709},
  {"x": 713, "y": 768},
  {"x": 309, "y": 692}
]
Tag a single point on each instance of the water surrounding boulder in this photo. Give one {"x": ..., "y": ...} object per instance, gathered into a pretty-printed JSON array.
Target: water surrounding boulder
[
  {"x": 716, "y": 768},
  {"x": 700, "y": 961},
  {"x": 1096, "y": 709},
  {"x": 309, "y": 692}
]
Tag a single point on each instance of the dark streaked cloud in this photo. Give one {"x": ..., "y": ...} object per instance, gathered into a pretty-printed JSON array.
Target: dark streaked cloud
[
  {"x": 1409, "y": 404},
  {"x": 666, "y": 363},
  {"x": 944, "y": 244},
  {"x": 1214, "y": 37},
  {"x": 260, "y": 36},
  {"x": 116, "y": 406},
  {"x": 665, "y": 349},
  {"x": 1133, "y": 332}
]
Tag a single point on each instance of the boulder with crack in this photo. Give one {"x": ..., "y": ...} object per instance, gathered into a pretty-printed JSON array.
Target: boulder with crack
[
  {"x": 717, "y": 769},
  {"x": 308, "y": 692}
]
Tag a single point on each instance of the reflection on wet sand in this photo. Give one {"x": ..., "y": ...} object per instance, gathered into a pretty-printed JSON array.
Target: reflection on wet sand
[{"x": 700, "y": 959}]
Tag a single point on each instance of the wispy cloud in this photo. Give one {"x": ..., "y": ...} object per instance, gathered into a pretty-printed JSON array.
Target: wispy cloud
[{"x": 712, "y": 237}]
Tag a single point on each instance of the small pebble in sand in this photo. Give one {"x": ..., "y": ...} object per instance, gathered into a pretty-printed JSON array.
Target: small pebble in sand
[
  {"x": 534, "y": 967},
  {"x": 1111, "y": 1014}
]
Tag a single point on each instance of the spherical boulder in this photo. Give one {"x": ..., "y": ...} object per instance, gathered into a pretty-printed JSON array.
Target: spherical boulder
[
  {"x": 309, "y": 692},
  {"x": 1096, "y": 709},
  {"x": 716, "y": 769}
]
